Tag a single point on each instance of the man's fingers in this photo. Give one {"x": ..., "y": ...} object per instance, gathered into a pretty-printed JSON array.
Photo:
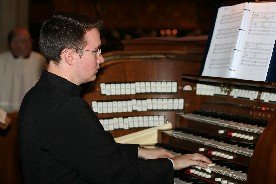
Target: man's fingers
[
  {"x": 200, "y": 157},
  {"x": 199, "y": 163}
]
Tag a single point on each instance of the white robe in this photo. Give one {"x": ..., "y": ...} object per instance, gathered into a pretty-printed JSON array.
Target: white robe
[{"x": 17, "y": 76}]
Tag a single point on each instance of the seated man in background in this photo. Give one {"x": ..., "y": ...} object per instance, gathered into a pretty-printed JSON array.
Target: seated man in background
[{"x": 20, "y": 68}]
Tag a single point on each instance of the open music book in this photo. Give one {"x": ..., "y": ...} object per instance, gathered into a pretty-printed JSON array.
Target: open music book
[{"x": 242, "y": 43}]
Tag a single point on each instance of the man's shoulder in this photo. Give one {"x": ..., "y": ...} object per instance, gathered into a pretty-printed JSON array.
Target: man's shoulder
[
  {"x": 5, "y": 55},
  {"x": 36, "y": 55}
]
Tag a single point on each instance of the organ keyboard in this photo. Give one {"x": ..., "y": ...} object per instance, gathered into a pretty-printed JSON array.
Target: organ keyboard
[{"x": 222, "y": 127}]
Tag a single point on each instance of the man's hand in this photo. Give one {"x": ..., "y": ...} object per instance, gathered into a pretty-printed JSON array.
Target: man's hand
[
  {"x": 147, "y": 153},
  {"x": 183, "y": 161}
]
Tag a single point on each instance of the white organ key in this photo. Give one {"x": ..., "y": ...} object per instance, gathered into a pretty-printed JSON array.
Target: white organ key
[
  {"x": 148, "y": 89},
  {"x": 169, "y": 87},
  {"x": 128, "y": 92},
  {"x": 146, "y": 121},
  {"x": 106, "y": 127},
  {"x": 121, "y": 122},
  {"x": 132, "y": 89},
  {"x": 111, "y": 124},
  {"x": 165, "y": 104},
  {"x": 143, "y": 87},
  {"x": 95, "y": 106},
  {"x": 170, "y": 104},
  {"x": 116, "y": 123},
  {"x": 201, "y": 149},
  {"x": 198, "y": 89},
  {"x": 107, "y": 89},
  {"x": 130, "y": 122},
  {"x": 149, "y": 104},
  {"x": 134, "y": 104},
  {"x": 164, "y": 87},
  {"x": 221, "y": 131},
  {"x": 139, "y": 105},
  {"x": 158, "y": 87},
  {"x": 115, "y": 106},
  {"x": 112, "y": 89},
  {"x": 161, "y": 120},
  {"x": 123, "y": 88},
  {"x": 180, "y": 103},
  {"x": 118, "y": 89},
  {"x": 124, "y": 106},
  {"x": 126, "y": 126},
  {"x": 102, "y": 86},
  {"x": 129, "y": 106},
  {"x": 120, "y": 106},
  {"x": 174, "y": 87},
  {"x": 153, "y": 87},
  {"x": 154, "y": 104},
  {"x": 141, "y": 121},
  {"x": 151, "y": 122},
  {"x": 100, "y": 107},
  {"x": 156, "y": 120},
  {"x": 101, "y": 121},
  {"x": 144, "y": 105},
  {"x": 109, "y": 107},
  {"x": 175, "y": 104},
  {"x": 135, "y": 122},
  {"x": 137, "y": 87},
  {"x": 105, "y": 107},
  {"x": 159, "y": 104}
]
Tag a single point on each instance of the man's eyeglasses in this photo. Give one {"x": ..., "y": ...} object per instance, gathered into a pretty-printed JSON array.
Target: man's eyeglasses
[{"x": 97, "y": 51}]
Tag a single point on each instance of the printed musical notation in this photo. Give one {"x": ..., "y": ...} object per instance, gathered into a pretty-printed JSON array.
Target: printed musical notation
[
  {"x": 220, "y": 63},
  {"x": 222, "y": 55},
  {"x": 231, "y": 18},
  {"x": 256, "y": 55},
  {"x": 224, "y": 33},
  {"x": 263, "y": 23}
]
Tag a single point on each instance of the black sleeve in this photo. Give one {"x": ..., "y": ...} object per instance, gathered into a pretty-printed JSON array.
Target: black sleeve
[{"x": 77, "y": 139}]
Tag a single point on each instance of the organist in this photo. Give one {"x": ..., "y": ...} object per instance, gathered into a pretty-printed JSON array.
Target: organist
[{"x": 61, "y": 139}]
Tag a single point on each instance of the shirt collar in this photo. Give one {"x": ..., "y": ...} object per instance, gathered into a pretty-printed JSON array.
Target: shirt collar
[
  {"x": 61, "y": 83},
  {"x": 16, "y": 56}
]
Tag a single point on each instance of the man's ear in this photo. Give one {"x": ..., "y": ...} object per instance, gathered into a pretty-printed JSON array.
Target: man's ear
[{"x": 67, "y": 56}]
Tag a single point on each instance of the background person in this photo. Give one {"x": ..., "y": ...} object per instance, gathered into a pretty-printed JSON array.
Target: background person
[{"x": 20, "y": 68}]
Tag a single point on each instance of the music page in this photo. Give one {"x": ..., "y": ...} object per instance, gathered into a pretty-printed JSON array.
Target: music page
[
  {"x": 224, "y": 41},
  {"x": 257, "y": 43}
]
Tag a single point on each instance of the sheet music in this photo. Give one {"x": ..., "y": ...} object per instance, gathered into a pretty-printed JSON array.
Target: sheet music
[
  {"x": 224, "y": 40},
  {"x": 256, "y": 47}
]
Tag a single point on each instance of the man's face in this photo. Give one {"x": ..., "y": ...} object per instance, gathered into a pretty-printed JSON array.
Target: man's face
[
  {"x": 89, "y": 62},
  {"x": 21, "y": 44}
]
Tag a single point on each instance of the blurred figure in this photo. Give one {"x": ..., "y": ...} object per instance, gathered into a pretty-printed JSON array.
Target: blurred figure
[{"x": 20, "y": 68}]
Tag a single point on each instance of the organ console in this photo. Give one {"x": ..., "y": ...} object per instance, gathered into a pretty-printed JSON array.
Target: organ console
[{"x": 224, "y": 119}]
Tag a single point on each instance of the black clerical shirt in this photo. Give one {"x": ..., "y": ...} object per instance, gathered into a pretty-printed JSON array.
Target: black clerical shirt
[{"x": 62, "y": 141}]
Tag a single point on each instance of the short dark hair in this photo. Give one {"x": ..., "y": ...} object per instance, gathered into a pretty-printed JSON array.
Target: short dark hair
[{"x": 65, "y": 31}]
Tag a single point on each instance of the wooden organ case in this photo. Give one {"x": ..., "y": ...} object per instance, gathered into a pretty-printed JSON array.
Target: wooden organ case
[{"x": 220, "y": 118}]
